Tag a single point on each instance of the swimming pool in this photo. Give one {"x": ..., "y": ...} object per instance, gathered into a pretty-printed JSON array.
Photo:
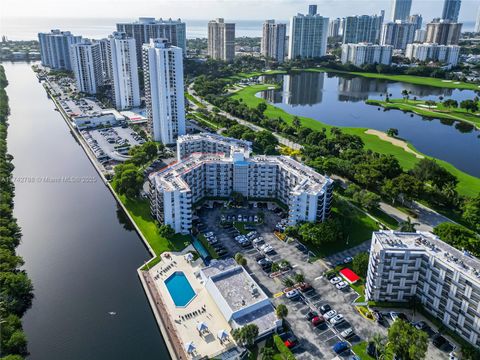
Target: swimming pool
[
  {"x": 180, "y": 289},
  {"x": 200, "y": 248}
]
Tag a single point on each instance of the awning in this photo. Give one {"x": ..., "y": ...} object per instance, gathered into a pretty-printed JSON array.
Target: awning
[
  {"x": 202, "y": 326},
  {"x": 222, "y": 335},
  {"x": 349, "y": 275},
  {"x": 190, "y": 347}
]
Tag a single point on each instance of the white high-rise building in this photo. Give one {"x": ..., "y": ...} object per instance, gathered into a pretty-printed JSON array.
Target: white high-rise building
[
  {"x": 164, "y": 90},
  {"x": 105, "y": 59},
  {"x": 443, "y": 53},
  {"x": 477, "y": 23},
  {"x": 419, "y": 267},
  {"x": 401, "y": 10},
  {"x": 451, "y": 10},
  {"x": 308, "y": 35},
  {"x": 87, "y": 66},
  {"x": 221, "y": 40},
  {"x": 124, "y": 68},
  {"x": 364, "y": 28},
  {"x": 420, "y": 36},
  {"x": 55, "y": 48},
  {"x": 274, "y": 40},
  {"x": 363, "y": 53},
  {"x": 398, "y": 34}
]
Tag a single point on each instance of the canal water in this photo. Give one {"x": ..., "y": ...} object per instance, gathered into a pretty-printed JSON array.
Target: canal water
[
  {"x": 79, "y": 249},
  {"x": 340, "y": 101}
]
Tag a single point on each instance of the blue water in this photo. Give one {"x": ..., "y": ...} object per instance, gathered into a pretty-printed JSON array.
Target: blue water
[
  {"x": 180, "y": 289},
  {"x": 200, "y": 248}
]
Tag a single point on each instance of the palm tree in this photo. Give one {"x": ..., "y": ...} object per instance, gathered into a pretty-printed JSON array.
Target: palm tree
[
  {"x": 405, "y": 95},
  {"x": 287, "y": 282},
  {"x": 379, "y": 341},
  {"x": 281, "y": 311},
  {"x": 299, "y": 278},
  {"x": 407, "y": 226},
  {"x": 296, "y": 122}
]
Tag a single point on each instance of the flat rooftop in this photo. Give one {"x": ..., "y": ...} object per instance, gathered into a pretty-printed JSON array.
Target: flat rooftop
[
  {"x": 214, "y": 138},
  {"x": 432, "y": 245},
  {"x": 237, "y": 288}
]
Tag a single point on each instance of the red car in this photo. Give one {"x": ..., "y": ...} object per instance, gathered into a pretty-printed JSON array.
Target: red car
[
  {"x": 317, "y": 320},
  {"x": 291, "y": 342},
  {"x": 305, "y": 287}
]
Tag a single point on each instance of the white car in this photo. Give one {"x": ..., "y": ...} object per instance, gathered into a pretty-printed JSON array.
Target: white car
[
  {"x": 341, "y": 285},
  {"x": 337, "y": 319},
  {"x": 330, "y": 314},
  {"x": 268, "y": 249},
  {"x": 208, "y": 234},
  {"x": 291, "y": 294},
  {"x": 264, "y": 246},
  {"x": 255, "y": 218},
  {"x": 347, "y": 333},
  {"x": 335, "y": 280},
  {"x": 258, "y": 240}
]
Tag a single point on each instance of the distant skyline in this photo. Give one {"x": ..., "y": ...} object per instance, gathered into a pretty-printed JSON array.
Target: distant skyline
[{"x": 209, "y": 9}]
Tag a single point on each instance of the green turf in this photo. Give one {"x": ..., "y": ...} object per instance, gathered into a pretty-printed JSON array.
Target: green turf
[
  {"x": 195, "y": 101},
  {"x": 361, "y": 350},
  {"x": 468, "y": 185},
  {"x": 439, "y": 111}
]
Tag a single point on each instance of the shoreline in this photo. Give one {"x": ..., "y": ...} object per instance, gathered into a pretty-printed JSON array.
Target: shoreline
[
  {"x": 394, "y": 141},
  {"x": 162, "y": 327}
]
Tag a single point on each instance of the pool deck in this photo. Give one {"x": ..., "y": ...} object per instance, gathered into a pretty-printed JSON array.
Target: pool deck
[{"x": 206, "y": 344}]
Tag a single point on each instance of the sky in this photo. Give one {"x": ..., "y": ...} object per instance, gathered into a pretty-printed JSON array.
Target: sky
[{"x": 208, "y": 9}]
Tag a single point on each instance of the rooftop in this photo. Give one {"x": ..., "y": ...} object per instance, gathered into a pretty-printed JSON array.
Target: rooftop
[
  {"x": 235, "y": 144},
  {"x": 432, "y": 245}
]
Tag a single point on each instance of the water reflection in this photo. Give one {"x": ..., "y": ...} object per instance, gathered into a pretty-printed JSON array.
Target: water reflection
[
  {"x": 358, "y": 89},
  {"x": 301, "y": 89}
]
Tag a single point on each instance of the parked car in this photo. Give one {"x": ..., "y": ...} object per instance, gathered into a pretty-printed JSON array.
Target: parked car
[
  {"x": 317, "y": 320},
  {"x": 439, "y": 341},
  {"x": 246, "y": 244},
  {"x": 292, "y": 294},
  {"x": 325, "y": 309},
  {"x": 259, "y": 257},
  {"x": 340, "y": 347},
  {"x": 305, "y": 287},
  {"x": 263, "y": 261},
  {"x": 330, "y": 314},
  {"x": 291, "y": 341},
  {"x": 335, "y": 280},
  {"x": 310, "y": 315},
  {"x": 347, "y": 333},
  {"x": 421, "y": 325},
  {"x": 372, "y": 350},
  {"x": 337, "y": 319},
  {"x": 341, "y": 285},
  {"x": 393, "y": 315},
  {"x": 268, "y": 249},
  {"x": 347, "y": 260}
]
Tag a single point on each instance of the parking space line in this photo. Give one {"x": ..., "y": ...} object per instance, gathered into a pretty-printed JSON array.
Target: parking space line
[
  {"x": 277, "y": 295},
  {"x": 318, "y": 278}
]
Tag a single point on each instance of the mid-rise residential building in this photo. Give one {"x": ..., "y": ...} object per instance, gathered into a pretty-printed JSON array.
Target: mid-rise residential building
[
  {"x": 451, "y": 10},
  {"x": 419, "y": 267},
  {"x": 401, "y": 10},
  {"x": 363, "y": 53},
  {"x": 146, "y": 28},
  {"x": 335, "y": 27},
  {"x": 364, "y": 28},
  {"x": 417, "y": 20},
  {"x": 221, "y": 40},
  {"x": 420, "y": 36},
  {"x": 55, "y": 49},
  {"x": 175, "y": 190},
  {"x": 87, "y": 66},
  {"x": 398, "y": 34},
  {"x": 443, "y": 32},
  {"x": 274, "y": 39},
  {"x": 164, "y": 90},
  {"x": 477, "y": 23},
  {"x": 124, "y": 70},
  {"x": 105, "y": 60},
  {"x": 308, "y": 36},
  {"x": 448, "y": 54},
  {"x": 210, "y": 144}
]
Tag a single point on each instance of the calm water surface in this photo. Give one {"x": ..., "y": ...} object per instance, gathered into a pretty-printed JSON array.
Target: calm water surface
[
  {"x": 79, "y": 251},
  {"x": 340, "y": 101}
]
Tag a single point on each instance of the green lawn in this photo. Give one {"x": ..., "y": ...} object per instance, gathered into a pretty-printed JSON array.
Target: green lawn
[
  {"x": 361, "y": 350},
  {"x": 468, "y": 185},
  {"x": 439, "y": 111},
  {"x": 195, "y": 101},
  {"x": 139, "y": 210}
]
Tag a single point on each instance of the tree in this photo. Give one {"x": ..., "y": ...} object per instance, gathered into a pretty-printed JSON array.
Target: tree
[
  {"x": 287, "y": 282},
  {"x": 407, "y": 226},
  {"x": 328, "y": 231},
  {"x": 360, "y": 264},
  {"x": 128, "y": 180},
  {"x": 299, "y": 278},
  {"x": 450, "y": 103},
  {"x": 281, "y": 311},
  {"x": 16, "y": 292},
  {"x": 245, "y": 335},
  {"x": 265, "y": 142},
  {"x": 166, "y": 231},
  {"x": 408, "y": 187},
  {"x": 471, "y": 212},
  {"x": 261, "y": 107},
  {"x": 469, "y": 105},
  {"x": 429, "y": 170},
  {"x": 268, "y": 353},
  {"x": 392, "y": 132},
  {"x": 406, "y": 341},
  {"x": 405, "y": 95},
  {"x": 292, "y": 231},
  {"x": 459, "y": 237},
  {"x": 380, "y": 342},
  {"x": 296, "y": 122},
  {"x": 390, "y": 190},
  {"x": 239, "y": 258},
  {"x": 367, "y": 199}
]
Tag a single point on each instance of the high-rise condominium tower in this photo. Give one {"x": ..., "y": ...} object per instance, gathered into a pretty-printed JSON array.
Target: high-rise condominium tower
[
  {"x": 221, "y": 40},
  {"x": 451, "y": 9},
  {"x": 477, "y": 24},
  {"x": 417, "y": 20},
  {"x": 146, "y": 28},
  {"x": 164, "y": 91},
  {"x": 274, "y": 40},
  {"x": 124, "y": 68},
  {"x": 364, "y": 28},
  {"x": 443, "y": 32},
  {"x": 398, "y": 34},
  {"x": 308, "y": 36},
  {"x": 401, "y": 9},
  {"x": 55, "y": 48},
  {"x": 87, "y": 66}
]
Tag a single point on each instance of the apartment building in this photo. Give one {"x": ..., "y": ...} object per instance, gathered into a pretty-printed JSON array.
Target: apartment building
[
  {"x": 164, "y": 90},
  {"x": 364, "y": 28},
  {"x": 401, "y": 10},
  {"x": 308, "y": 35},
  {"x": 445, "y": 280},
  {"x": 87, "y": 66},
  {"x": 274, "y": 40},
  {"x": 335, "y": 27},
  {"x": 398, "y": 34},
  {"x": 146, "y": 28},
  {"x": 451, "y": 10},
  {"x": 443, "y": 32},
  {"x": 416, "y": 19},
  {"x": 124, "y": 71},
  {"x": 363, "y": 53},
  {"x": 55, "y": 48},
  {"x": 221, "y": 40},
  {"x": 448, "y": 54},
  {"x": 175, "y": 189},
  {"x": 211, "y": 144}
]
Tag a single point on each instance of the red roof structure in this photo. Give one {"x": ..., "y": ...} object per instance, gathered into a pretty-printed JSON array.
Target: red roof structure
[{"x": 349, "y": 275}]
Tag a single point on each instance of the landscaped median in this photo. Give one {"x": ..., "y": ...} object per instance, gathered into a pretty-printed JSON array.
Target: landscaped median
[
  {"x": 421, "y": 107},
  {"x": 468, "y": 185}
]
